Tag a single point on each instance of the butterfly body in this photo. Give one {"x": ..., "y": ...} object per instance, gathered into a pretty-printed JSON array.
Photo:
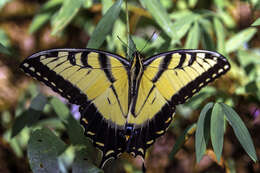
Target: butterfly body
[{"x": 125, "y": 105}]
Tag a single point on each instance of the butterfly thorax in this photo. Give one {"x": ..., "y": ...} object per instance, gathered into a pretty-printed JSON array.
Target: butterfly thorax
[{"x": 136, "y": 72}]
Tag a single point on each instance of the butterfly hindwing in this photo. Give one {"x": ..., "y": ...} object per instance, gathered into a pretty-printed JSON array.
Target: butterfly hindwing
[{"x": 95, "y": 80}]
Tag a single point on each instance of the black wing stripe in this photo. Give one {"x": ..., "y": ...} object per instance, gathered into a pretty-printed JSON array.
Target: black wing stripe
[
  {"x": 105, "y": 65},
  {"x": 84, "y": 59},
  {"x": 182, "y": 59},
  {"x": 163, "y": 66}
]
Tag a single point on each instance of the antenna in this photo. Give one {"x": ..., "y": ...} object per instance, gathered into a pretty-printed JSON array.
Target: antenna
[
  {"x": 148, "y": 40},
  {"x": 132, "y": 50}
]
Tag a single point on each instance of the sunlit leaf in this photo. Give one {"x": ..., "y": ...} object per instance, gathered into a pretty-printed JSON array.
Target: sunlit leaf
[
  {"x": 183, "y": 24},
  {"x": 106, "y": 4},
  {"x": 44, "y": 15},
  {"x": 3, "y": 3},
  {"x": 66, "y": 13},
  {"x": 192, "y": 3},
  {"x": 220, "y": 33},
  {"x": 239, "y": 39},
  {"x": 247, "y": 57},
  {"x": 105, "y": 25},
  {"x": 227, "y": 19},
  {"x": 160, "y": 15},
  {"x": 217, "y": 126},
  {"x": 193, "y": 38},
  {"x": 240, "y": 130},
  {"x": 256, "y": 22},
  {"x": 202, "y": 131}
]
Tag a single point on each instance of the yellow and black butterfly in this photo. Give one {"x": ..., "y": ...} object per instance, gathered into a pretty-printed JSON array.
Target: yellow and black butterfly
[{"x": 125, "y": 105}]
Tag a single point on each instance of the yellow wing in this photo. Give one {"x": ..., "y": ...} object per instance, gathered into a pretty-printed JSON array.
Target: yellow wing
[
  {"x": 95, "y": 80},
  {"x": 169, "y": 79}
]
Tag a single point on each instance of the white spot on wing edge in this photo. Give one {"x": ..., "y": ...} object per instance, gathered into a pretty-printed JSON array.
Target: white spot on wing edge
[
  {"x": 32, "y": 69},
  {"x": 226, "y": 67},
  {"x": 26, "y": 65}
]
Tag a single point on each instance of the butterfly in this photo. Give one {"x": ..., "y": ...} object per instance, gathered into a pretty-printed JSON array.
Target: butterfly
[{"x": 125, "y": 105}]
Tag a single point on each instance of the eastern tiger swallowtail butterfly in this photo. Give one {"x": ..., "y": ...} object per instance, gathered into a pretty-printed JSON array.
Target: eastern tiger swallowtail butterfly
[{"x": 125, "y": 105}]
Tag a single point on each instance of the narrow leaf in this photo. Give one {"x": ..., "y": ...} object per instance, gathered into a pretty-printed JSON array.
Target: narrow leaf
[
  {"x": 217, "y": 127},
  {"x": 206, "y": 40},
  {"x": 220, "y": 33},
  {"x": 105, "y": 26},
  {"x": 240, "y": 130},
  {"x": 193, "y": 38},
  {"x": 160, "y": 15},
  {"x": 182, "y": 139},
  {"x": 247, "y": 57},
  {"x": 239, "y": 39},
  {"x": 200, "y": 136},
  {"x": 4, "y": 50},
  {"x": 43, "y": 149},
  {"x": 66, "y": 13},
  {"x": 256, "y": 22},
  {"x": 183, "y": 24},
  {"x": 44, "y": 15}
]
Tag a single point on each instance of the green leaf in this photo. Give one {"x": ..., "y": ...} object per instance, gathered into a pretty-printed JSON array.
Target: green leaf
[
  {"x": 247, "y": 57},
  {"x": 104, "y": 26},
  {"x": 44, "y": 15},
  {"x": 82, "y": 163},
  {"x": 30, "y": 116},
  {"x": 193, "y": 38},
  {"x": 106, "y": 4},
  {"x": 75, "y": 132},
  {"x": 38, "y": 102},
  {"x": 197, "y": 99},
  {"x": 207, "y": 40},
  {"x": 227, "y": 19},
  {"x": 220, "y": 3},
  {"x": 3, "y": 2},
  {"x": 201, "y": 132},
  {"x": 131, "y": 47},
  {"x": 60, "y": 109},
  {"x": 239, "y": 39},
  {"x": 182, "y": 139},
  {"x": 220, "y": 34},
  {"x": 192, "y": 3},
  {"x": 66, "y": 13},
  {"x": 43, "y": 149},
  {"x": 240, "y": 130},
  {"x": 183, "y": 24},
  {"x": 217, "y": 127},
  {"x": 161, "y": 16},
  {"x": 4, "y": 50},
  {"x": 256, "y": 22}
]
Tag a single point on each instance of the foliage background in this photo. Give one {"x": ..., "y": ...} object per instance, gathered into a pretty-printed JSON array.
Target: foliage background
[{"x": 27, "y": 26}]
